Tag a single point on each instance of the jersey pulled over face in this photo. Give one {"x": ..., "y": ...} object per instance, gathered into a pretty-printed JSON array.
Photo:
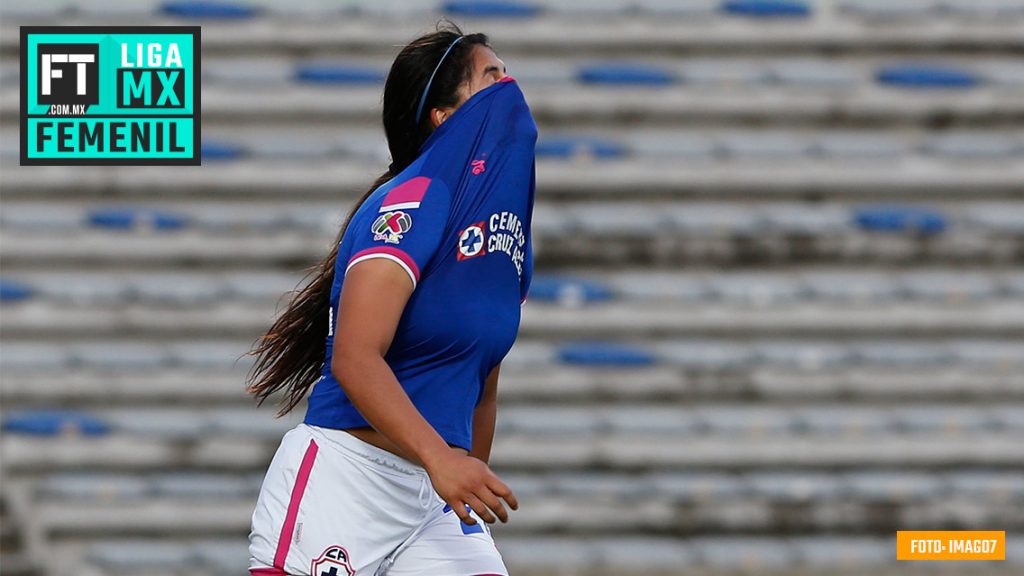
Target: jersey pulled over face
[{"x": 457, "y": 220}]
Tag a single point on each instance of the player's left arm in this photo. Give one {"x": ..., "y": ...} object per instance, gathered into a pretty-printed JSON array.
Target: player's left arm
[{"x": 484, "y": 417}]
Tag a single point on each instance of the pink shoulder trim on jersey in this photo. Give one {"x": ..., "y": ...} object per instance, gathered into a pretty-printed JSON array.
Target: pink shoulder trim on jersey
[
  {"x": 406, "y": 195},
  {"x": 267, "y": 572},
  {"x": 301, "y": 479},
  {"x": 391, "y": 253}
]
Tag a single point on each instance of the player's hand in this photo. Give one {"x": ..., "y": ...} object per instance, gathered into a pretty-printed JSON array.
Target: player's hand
[{"x": 460, "y": 480}]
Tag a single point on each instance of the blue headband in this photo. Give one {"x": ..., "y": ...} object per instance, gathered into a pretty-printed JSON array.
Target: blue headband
[{"x": 423, "y": 99}]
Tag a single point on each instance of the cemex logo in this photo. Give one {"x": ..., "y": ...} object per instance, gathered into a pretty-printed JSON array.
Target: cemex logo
[
  {"x": 110, "y": 95},
  {"x": 69, "y": 76}
]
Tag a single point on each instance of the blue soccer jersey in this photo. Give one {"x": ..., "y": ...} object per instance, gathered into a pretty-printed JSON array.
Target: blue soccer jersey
[{"x": 457, "y": 220}]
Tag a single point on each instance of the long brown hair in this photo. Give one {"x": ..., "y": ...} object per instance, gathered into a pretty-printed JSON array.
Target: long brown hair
[{"x": 290, "y": 356}]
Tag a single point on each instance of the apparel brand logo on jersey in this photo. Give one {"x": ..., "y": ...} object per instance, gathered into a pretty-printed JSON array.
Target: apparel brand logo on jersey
[
  {"x": 390, "y": 226},
  {"x": 333, "y": 562},
  {"x": 472, "y": 241},
  {"x": 110, "y": 95},
  {"x": 478, "y": 166}
]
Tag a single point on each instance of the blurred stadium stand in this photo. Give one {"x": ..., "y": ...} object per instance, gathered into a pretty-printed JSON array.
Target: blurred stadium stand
[{"x": 778, "y": 311}]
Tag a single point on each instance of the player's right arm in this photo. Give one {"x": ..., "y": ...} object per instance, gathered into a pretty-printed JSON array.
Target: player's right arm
[{"x": 370, "y": 306}]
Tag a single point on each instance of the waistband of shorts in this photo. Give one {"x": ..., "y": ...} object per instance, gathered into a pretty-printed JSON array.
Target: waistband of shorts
[{"x": 363, "y": 449}]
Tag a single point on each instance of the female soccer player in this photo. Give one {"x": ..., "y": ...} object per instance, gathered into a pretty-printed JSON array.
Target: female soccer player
[{"x": 400, "y": 334}]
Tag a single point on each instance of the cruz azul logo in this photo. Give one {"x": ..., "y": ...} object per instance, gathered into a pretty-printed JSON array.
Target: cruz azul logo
[
  {"x": 390, "y": 226},
  {"x": 500, "y": 232},
  {"x": 110, "y": 95}
]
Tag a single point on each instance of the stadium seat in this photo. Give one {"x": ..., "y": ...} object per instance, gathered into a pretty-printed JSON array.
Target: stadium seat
[
  {"x": 758, "y": 289},
  {"x": 767, "y": 8},
  {"x": 158, "y": 423},
  {"x": 122, "y": 556},
  {"x": 849, "y": 286},
  {"x": 738, "y": 552},
  {"x": 541, "y": 421},
  {"x": 749, "y": 421},
  {"x": 794, "y": 486},
  {"x": 705, "y": 354},
  {"x": 209, "y": 9},
  {"x": 92, "y": 487},
  {"x": 813, "y": 74},
  {"x": 802, "y": 355},
  {"x": 986, "y": 484},
  {"x": 926, "y": 76},
  {"x": 221, "y": 150},
  {"x": 176, "y": 290},
  {"x": 924, "y": 419},
  {"x": 763, "y": 146},
  {"x": 895, "y": 487},
  {"x": 973, "y": 146},
  {"x": 624, "y": 74},
  {"x": 706, "y": 72},
  {"x": 843, "y": 552},
  {"x": 192, "y": 485},
  {"x": 574, "y": 147},
  {"x": 660, "y": 420},
  {"x": 42, "y": 218},
  {"x": 700, "y": 486},
  {"x": 659, "y": 285},
  {"x": 328, "y": 73},
  {"x": 605, "y": 354},
  {"x": 887, "y": 352},
  {"x": 845, "y": 420},
  {"x": 953, "y": 287},
  {"x": 491, "y": 9},
  {"x": 618, "y": 486},
  {"x": 54, "y": 422},
  {"x": 886, "y": 10},
  {"x": 562, "y": 289},
  {"x": 858, "y": 145},
  {"x": 22, "y": 356},
  {"x": 901, "y": 219},
  {"x": 129, "y": 218},
  {"x": 12, "y": 290},
  {"x": 119, "y": 355}
]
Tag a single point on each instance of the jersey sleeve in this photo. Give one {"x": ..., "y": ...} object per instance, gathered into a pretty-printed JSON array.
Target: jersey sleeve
[{"x": 405, "y": 225}]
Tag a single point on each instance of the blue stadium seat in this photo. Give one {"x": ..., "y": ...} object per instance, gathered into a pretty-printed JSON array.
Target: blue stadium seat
[
  {"x": 568, "y": 289},
  {"x": 926, "y": 76},
  {"x": 624, "y": 74},
  {"x": 209, "y": 9},
  {"x": 338, "y": 73},
  {"x": 221, "y": 150},
  {"x": 128, "y": 218},
  {"x": 893, "y": 218},
  {"x": 605, "y": 354},
  {"x": 53, "y": 422},
  {"x": 569, "y": 147},
  {"x": 767, "y": 8},
  {"x": 491, "y": 9},
  {"x": 14, "y": 290}
]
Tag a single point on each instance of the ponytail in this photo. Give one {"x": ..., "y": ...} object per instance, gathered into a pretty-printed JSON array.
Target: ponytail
[{"x": 290, "y": 356}]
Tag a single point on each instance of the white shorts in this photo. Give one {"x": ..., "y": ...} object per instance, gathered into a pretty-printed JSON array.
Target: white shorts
[{"x": 333, "y": 505}]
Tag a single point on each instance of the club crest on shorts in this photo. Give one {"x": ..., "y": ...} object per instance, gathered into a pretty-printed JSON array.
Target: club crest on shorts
[
  {"x": 333, "y": 562},
  {"x": 471, "y": 241},
  {"x": 390, "y": 226}
]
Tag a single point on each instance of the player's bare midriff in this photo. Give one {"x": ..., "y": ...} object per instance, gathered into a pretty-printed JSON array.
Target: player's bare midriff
[{"x": 371, "y": 436}]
